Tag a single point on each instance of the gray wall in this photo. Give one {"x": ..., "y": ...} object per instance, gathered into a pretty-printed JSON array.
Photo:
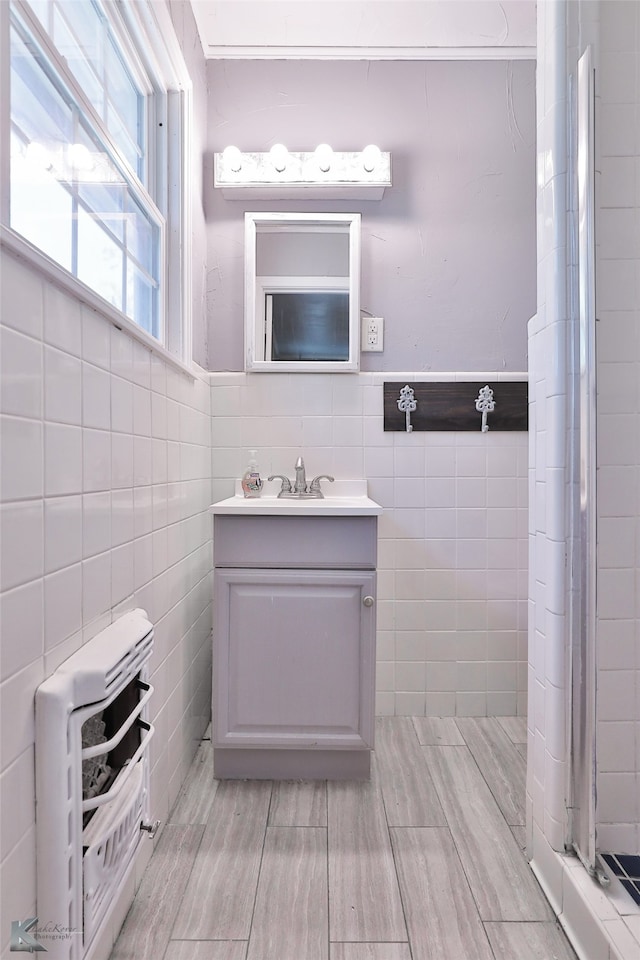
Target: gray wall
[{"x": 448, "y": 255}]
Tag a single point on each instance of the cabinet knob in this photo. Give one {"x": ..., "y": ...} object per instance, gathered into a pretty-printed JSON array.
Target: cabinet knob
[{"x": 368, "y": 601}]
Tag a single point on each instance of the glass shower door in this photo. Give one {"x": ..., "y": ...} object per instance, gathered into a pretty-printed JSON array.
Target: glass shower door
[{"x": 583, "y": 656}]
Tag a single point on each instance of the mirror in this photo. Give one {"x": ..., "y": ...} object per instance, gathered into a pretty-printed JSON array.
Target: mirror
[{"x": 302, "y": 292}]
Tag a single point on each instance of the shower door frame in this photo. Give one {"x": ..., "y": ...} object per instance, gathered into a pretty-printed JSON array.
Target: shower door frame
[{"x": 582, "y": 788}]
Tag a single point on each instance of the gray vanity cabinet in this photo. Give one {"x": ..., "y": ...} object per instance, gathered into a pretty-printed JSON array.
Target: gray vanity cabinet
[{"x": 294, "y": 646}]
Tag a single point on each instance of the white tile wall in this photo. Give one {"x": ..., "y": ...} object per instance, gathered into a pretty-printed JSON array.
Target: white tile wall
[
  {"x": 596, "y": 924},
  {"x": 92, "y": 523},
  {"x": 618, "y": 451},
  {"x": 452, "y": 539}
]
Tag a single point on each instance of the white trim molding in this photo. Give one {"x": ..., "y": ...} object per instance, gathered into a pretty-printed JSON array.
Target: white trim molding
[{"x": 368, "y": 53}]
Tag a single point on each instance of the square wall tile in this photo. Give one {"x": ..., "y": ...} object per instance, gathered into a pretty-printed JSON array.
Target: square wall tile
[
  {"x": 440, "y": 705},
  {"x": 385, "y": 703},
  {"x": 62, "y": 387},
  {"x": 122, "y": 516},
  {"x": 96, "y": 397},
  {"x": 21, "y": 626},
  {"x": 21, "y": 542},
  {"x": 62, "y": 320},
  {"x": 471, "y": 704},
  {"x": 408, "y": 462},
  {"x": 502, "y": 676},
  {"x": 122, "y": 573},
  {"x": 471, "y": 523},
  {"x": 143, "y": 460},
  {"x": 440, "y": 461},
  {"x": 121, "y": 354},
  {"x": 408, "y": 523},
  {"x": 21, "y": 285},
  {"x": 96, "y": 460},
  {"x": 616, "y": 746},
  {"x": 472, "y": 676},
  {"x": 502, "y": 703},
  {"x": 96, "y": 586},
  {"x": 409, "y": 704},
  {"x": 21, "y": 458},
  {"x": 96, "y": 523},
  {"x": 96, "y": 339},
  {"x": 617, "y": 644},
  {"x": 62, "y": 459},
  {"x": 616, "y": 594},
  {"x": 440, "y": 492},
  {"x": 16, "y": 816},
  {"x": 142, "y": 561},
  {"x": 142, "y": 366},
  {"x": 121, "y": 405},
  {"x": 471, "y": 462},
  {"x": 20, "y": 374},
  {"x": 347, "y": 431},
  {"x": 121, "y": 460},
  {"x": 62, "y": 532},
  {"x": 410, "y": 676},
  {"x": 17, "y": 714},
  {"x": 616, "y": 695},
  {"x": 440, "y": 524},
  {"x": 62, "y": 605}
]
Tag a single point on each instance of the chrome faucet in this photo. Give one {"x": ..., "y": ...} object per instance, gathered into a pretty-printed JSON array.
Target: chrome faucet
[
  {"x": 301, "y": 490},
  {"x": 300, "y": 485}
]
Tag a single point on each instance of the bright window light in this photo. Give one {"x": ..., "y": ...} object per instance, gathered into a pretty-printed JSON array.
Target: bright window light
[{"x": 94, "y": 181}]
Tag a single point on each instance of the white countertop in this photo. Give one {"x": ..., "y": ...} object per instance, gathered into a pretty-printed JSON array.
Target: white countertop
[{"x": 347, "y": 498}]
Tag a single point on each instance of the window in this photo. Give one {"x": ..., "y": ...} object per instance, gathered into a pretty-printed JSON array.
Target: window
[
  {"x": 92, "y": 112},
  {"x": 307, "y": 324}
]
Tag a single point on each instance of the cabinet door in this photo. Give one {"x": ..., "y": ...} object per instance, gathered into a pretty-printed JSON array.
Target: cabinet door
[{"x": 294, "y": 658}]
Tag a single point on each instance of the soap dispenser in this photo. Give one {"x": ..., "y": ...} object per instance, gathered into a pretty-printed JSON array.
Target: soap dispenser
[{"x": 251, "y": 482}]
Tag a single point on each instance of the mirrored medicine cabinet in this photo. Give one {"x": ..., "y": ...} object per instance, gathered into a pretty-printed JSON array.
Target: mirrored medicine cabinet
[{"x": 302, "y": 292}]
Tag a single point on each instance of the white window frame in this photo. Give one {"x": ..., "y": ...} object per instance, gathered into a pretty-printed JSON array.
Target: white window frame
[{"x": 143, "y": 26}]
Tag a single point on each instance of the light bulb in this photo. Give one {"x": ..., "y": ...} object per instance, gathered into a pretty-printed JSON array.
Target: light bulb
[
  {"x": 279, "y": 156},
  {"x": 324, "y": 155},
  {"x": 371, "y": 157},
  {"x": 232, "y": 158}
]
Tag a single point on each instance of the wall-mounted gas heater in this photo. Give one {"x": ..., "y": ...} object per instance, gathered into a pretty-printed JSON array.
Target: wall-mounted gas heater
[{"x": 92, "y": 783}]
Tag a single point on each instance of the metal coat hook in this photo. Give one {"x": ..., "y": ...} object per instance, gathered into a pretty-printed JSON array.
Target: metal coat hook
[
  {"x": 407, "y": 404},
  {"x": 485, "y": 404}
]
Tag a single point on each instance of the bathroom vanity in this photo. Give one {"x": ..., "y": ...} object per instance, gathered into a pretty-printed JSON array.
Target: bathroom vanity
[{"x": 294, "y": 635}]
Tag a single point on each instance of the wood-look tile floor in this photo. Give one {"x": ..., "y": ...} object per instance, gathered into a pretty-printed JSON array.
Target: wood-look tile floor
[{"x": 424, "y": 862}]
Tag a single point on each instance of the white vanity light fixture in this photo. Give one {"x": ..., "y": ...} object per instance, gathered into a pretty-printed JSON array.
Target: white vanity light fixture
[
  {"x": 232, "y": 159},
  {"x": 323, "y": 173},
  {"x": 371, "y": 157},
  {"x": 324, "y": 156},
  {"x": 279, "y": 156}
]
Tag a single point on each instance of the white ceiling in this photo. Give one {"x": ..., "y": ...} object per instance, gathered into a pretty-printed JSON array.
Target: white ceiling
[{"x": 443, "y": 29}]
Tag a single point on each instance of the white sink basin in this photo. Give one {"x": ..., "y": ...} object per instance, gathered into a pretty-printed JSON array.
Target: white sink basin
[{"x": 341, "y": 498}]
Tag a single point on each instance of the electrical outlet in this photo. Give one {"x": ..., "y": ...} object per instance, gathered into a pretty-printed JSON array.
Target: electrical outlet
[{"x": 372, "y": 339}]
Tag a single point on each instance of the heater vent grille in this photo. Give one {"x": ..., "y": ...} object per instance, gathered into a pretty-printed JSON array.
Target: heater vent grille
[{"x": 92, "y": 796}]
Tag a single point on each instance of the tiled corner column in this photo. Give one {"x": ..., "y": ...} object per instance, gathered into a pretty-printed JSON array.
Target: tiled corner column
[
  {"x": 549, "y": 371},
  {"x": 452, "y": 539}
]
